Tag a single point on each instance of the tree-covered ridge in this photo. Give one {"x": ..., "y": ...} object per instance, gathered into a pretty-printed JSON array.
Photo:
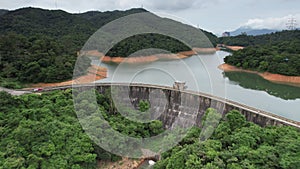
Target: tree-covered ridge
[
  {"x": 281, "y": 58},
  {"x": 146, "y": 41},
  {"x": 71, "y": 29},
  {"x": 38, "y": 45},
  {"x": 99, "y": 19},
  {"x": 273, "y": 38},
  {"x": 236, "y": 144}
]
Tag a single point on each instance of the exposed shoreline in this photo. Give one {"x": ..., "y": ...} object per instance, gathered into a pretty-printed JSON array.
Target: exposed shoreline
[
  {"x": 235, "y": 48},
  {"x": 276, "y": 78},
  {"x": 147, "y": 59},
  {"x": 94, "y": 73}
]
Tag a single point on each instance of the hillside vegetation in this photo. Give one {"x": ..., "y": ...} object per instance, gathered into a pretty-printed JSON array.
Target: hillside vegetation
[
  {"x": 42, "y": 131},
  {"x": 236, "y": 144},
  {"x": 146, "y": 41},
  {"x": 275, "y": 53},
  {"x": 38, "y": 45}
]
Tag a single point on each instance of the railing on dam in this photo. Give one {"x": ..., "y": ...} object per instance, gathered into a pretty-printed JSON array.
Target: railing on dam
[{"x": 252, "y": 114}]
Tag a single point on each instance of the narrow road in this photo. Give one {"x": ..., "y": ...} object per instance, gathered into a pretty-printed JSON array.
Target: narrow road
[{"x": 14, "y": 92}]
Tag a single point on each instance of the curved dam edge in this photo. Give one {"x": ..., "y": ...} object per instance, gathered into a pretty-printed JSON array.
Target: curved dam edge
[{"x": 139, "y": 91}]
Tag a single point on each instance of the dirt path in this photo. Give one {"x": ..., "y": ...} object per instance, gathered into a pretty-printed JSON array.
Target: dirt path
[{"x": 292, "y": 80}]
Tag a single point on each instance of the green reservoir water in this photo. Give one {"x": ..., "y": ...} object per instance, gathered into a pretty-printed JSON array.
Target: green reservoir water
[
  {"x": 255, "y": 82},
  {"x": 201, "y": 74}
]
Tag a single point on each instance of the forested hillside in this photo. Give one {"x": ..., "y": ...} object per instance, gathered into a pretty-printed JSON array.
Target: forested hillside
[
  {"x": 38, "y": 45},
  {"x": 147, "y": 41},
  {"x": 275, "y": 53}
]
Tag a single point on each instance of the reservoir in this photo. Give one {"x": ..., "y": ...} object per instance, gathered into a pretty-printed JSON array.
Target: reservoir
[{"x": 201, "y": 73}]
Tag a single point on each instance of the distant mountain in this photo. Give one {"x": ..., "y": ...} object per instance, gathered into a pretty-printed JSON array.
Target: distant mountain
[{"x": 251, "y": 31}]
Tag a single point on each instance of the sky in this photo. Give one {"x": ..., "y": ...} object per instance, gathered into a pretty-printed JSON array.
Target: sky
[{"x": 215, "y": 16}]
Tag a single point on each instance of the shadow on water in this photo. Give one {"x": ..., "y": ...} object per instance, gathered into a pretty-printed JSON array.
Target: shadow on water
[{"x": 256, "y": 82}]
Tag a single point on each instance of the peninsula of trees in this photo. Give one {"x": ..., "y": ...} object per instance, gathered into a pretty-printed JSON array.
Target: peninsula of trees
[{"x": 277, "y": 53}]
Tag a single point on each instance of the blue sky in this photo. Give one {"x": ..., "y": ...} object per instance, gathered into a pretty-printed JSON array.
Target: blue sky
[{"x": 216, "y": 16}]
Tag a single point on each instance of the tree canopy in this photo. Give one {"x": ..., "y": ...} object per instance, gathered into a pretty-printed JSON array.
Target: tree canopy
[
  {"x": 38, "y": 45},
  {"x": 274, "y": 53},
  {"x": 236, "y": 143},
  {"x": 42, "y": 131}
]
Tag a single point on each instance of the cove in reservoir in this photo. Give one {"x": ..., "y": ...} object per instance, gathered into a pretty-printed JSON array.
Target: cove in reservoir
[{"x": 201, "y": 73}]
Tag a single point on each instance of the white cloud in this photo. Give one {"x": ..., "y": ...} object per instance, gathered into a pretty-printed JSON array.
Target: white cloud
[
  {"x": 271, "y": 23},
  {"x": 164, "y": 5}
]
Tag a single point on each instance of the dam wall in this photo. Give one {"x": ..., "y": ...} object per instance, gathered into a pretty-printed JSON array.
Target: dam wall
[{"x": 173, "y": 106}]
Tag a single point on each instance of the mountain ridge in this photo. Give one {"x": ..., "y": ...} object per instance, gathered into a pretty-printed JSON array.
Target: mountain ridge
[{"x": 252, "y": 31}]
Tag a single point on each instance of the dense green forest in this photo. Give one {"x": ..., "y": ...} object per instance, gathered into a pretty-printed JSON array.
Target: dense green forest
[
  {"x": 282, "y": 57},
  {"x": 42, "y": 131},
  {"x": 36, "y": 59},
  {"x": 38, "y": 45},
  {"x": 146, "y": 41},
  {"x": 236, "y": 144}
]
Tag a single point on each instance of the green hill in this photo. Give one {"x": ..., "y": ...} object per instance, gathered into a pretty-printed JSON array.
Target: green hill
[
  {"x": 276, "y": 53},
  {"x": 38, "y": 45}
]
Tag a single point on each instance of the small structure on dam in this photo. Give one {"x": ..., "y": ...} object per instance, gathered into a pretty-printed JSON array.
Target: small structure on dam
[{"x": 178, "y": 85}]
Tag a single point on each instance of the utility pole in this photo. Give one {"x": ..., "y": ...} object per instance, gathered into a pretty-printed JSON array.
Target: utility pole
[{"x": 291, "y": 24}]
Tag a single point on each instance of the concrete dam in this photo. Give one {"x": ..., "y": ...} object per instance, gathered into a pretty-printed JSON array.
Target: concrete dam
[{"x": 177, "y": 105}]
